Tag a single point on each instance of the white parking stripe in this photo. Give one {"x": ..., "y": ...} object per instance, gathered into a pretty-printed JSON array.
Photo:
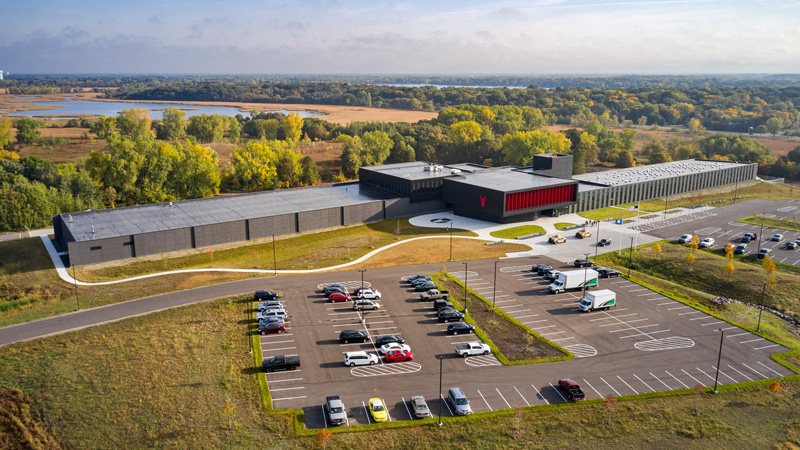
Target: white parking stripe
[
  {"x": 598, "y": 393},
  {"x": 288, "y": 398},
  {"x": 281, "y": 381},
  {"x": 642, "y": 289},
  {"x": 690, "y": 376},
  {"x": 501, "y": 396},
  {"x": 703, "y": 318},
  {"x": 769, "y": 368},
  {"x": 523, "y": 397},
  {"x": 709, "y": 376},
  {"x": 558, "y": 391},
  {"x": 734, "y": 335},
  {"x": 635, "y": 328},
  {"x": 757, "y": 372},
  {"x": 610, "y": 386},
  {"x": 522, "y": 317},
  {"x": 534, "y": 321},
  {"x": 723, "y": 373},
  {"x": 740, "y": 373},
  {"x": 562, "y": 339},
  {"x": 626, "y": 384},
  {"x": 766, "y": 346},
  {"x": 366, "y": 411},
  {"x": 648, "y": 386},
  {"x": 676, "y": 379},
  {"x": 678, "y": 307},
  {"x": 542, "y": 328},
  {"x": 555, "y": 332},
  {"x": 751, "y": 340},
  {"x": 484, "y": 400},
  {"x": 712, "y": 323},
  {"x": 540, "y": 394},
  {"x": 729, "y": 328},
  {"x": 692, "y": 312},
  {"x": 665, "y": 303},
  {"x": 287, "y": 389},
  {"x": 621, "y": 323},
  {"x": 659, "y": 379},
  {"x": 446, "y": 404},
  {"x": 275, "y": 349}
]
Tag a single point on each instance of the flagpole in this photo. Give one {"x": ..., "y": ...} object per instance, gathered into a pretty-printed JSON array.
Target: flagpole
[
  {"x": 621, "y": 228},
  {"x": 638, "y": 217}
]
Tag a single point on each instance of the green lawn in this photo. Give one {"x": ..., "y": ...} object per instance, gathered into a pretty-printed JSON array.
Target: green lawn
[
  {"x": 783, "y": 224},
  {"x": 515, "y": 232},
  {"x": 562, "y": 225},
  {"x": 608, "y": 213}
]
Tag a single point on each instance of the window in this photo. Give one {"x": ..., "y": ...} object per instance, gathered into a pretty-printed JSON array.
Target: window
[{"x": 99, "y": 247}]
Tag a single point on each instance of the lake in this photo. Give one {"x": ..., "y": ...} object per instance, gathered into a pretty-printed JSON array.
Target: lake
[{"x": 72, "y": 109}]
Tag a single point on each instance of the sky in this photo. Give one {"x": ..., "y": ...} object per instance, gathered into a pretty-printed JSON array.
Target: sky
[{"x": 539, "y": 37}]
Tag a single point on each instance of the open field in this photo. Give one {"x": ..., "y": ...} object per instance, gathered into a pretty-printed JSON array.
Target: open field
[
  {"x": 174, "y": 380},
  {"x": 513, "y": 233}
]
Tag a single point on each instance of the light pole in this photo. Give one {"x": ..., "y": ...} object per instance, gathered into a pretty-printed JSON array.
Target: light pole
[
  {"x": 761, "y": 306},
  {"x": 666, "y": 201},
  {"x": 630, "y": 258},
  {"x": 75, "y": 280},
  {"x": 466, "y": 275},
  {"x": 362, "y": 278},
  {"x": 441, "y": 399},
  {"x": 494, "y": 289},
  {"x": 597, "y": 239},
  {"x": 719, "y": 359},
  {"x": 274, "y": 257},
  {"x": 761, "y": 232},
  {"x": 451, "y": 241},
  {"x": 585, "y": 274}
]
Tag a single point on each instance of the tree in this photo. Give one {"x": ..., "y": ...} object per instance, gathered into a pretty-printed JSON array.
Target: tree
[
  {"x": 697, "y": 391},
  {"x": 690, "y": 258},
  {"x": 103, "y": 127},
  {"x": 774, "y": 125},
  {"x": 729, "y": 268},
  {"x": 465, "y": 132},
  {"x": 254, "y": 166},
  {"x": 28, "y": 131},
  {"x": 657, "y": 249},
  {"x": 292, "y": 127},
  {"x": 5, "y": 132},
  {"x": 172, "y": 126},
  {"x": 322, "y": 438},
  {"x": 518, "y": 148},
  {"x": 401, "y": 151},
  {"x": 351, "y": 158},
  {"x": 694, "y": 125},
  {"x": 310, "y": 171},
  {"x": 135, "y": 123},
  {"x": 695, "y": 242},
  {"x": 584, "y": 154},
  {"x": 625, "y": 159},
  {"x": 288, "y": 168},
  {"x": 377, "y": 147},
  {"x": 610, "y": 405},
  {"x": 769, "y": 266},
  {"x": 729, "y": 251},
  {"x": 207, "y": 128},
  {"x": 196, "y": 173},
  {"x": 593, "y": 127},
  {"x": 627, "y": 139}
]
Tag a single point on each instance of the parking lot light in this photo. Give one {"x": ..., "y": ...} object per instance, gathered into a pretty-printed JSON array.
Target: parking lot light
[
  {"x": 597, "y": 239},
  {"x": 630, "y": 258},
  {"x": 466, "y": 275},
  {"x": 451, "y": 240},
  {"x": 719, "y": 358},
  {"x": 494, "y": 288},
  {"x": 761, "y": 306},
  {"x": 362, "y": 278},
  {"x": 585, "y": 274},
  {"x": 441, "y": 399}
]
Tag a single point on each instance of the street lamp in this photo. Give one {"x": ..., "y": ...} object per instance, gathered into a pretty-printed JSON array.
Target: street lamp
[
  {"x": 719, "y": 359},
  {"x": 494, "y": 289},
  {"x": 630, "y": 258},
  {"x": 597, "y": 239},
  {"x": 761, "y": 232},
  {"x": 466, "y": 275},
  {"x": 761, "y": 306},
  {"x": 585, "y": 274},
  {"x": 451, "y": 241},
  {"x": 441, "y": 398},
  {"x": 75, "y": 280},
  {"x": 362, "y": 278}
]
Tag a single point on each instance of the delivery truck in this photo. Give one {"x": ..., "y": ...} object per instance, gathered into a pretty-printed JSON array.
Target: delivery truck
[
  {"x": 574, "y": 279},
  {"x": 602, "y": 299}
]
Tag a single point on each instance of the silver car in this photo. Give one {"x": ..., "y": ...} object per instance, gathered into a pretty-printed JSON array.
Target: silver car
[{"x": 459, "y": 402}]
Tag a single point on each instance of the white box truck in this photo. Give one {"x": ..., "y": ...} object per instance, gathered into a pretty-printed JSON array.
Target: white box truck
[
  {"x": 574, "y": 279},
  {"x": 602, "y": 299}
]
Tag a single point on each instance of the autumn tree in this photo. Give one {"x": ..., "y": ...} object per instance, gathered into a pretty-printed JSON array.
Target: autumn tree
[
  {"x": 729, "y": 268},
  {"x": 694, "y": 126},
  {"x": 322, "y": 437},
  {"x": 585, "y": 153},
  {"x": 769, "y": 266},
  {"x": 28, "y": 131},
  {"x": 5, "y": 132},
  {"x": 624, "y": 159},
  {"x": 172, "y": 126},
  {"x": 610, "y": 405},
  {"x": 627, "y": 140},
  {"x": 254, "y": 166},
  {"x": 135, "y": 123},
  {"x": 196, "y": 173},
  {"x": 698, "y": 392},
  {"x": 292, "y": 127},
  {"x": 104, "y": 127},
  {"x": 208, "y": 128},
  {"x": 518, "y": 148},
  {"x": 695, "y": 242},
  {"x": 465, "y": 132}
]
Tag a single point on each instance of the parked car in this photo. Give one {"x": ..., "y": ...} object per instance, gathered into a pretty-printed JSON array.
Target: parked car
[
  {"x": 777, "y": 238},
  {"x": 420, "y": 407},
  {"x": 280, "y": 363},
  {"x": 685, "y": 239},
  {"x": 557, "y": 239},
  {"x": 459, "y": 402},
  {"x": 606, "y": 272},
  {"x": 377, "y": 410},
  {"x": 393, "y": 346},
  {"x": 271, "y": 319},
  {"x": 582, "y": 263},
  {"x": 360, "y": 305},
  {"x": 535, "y": 268},
  {"x": 339, "y": 297},
  {"x": 764, "y": 252},
  {"x": 571, "y": 389},
  {"x": 334, "y": 287},
  {"x": 398, "y": 356},
  {"x": 791, "y": 246},
  {"x": 361, "y": 358},
  {"x": 425, "y": 286},
  {"x": 543, "y": 269},
  {"x": 412, "y": 278},
  {"x": 272, "y": 328},
  {"x": 707, "y": 242},
  {"x": 441, "y": 303},
  {"x": 336, "y": 290},
  {"x": 604, "y": 242},
  {"x": 265, "y": 295},
  {"x": 740, "y": 249},
  {"x": 280, "y": 313},
  {"x": 748, "y": 237},
  {"x": 449, "y": 315},
  {"x": 272, "y": 304},
  {"x": 472, "y": 349},
  {"x": 553, "y": 274},
  {"x": 369, "y": 294},
  {"x": 426, "y": 279},
  {"x": 460, "y": 327},
  {"x": 335, "y": 410},
  {"x": 348, "y": 336},
  {"x": 388, "y": 339}
]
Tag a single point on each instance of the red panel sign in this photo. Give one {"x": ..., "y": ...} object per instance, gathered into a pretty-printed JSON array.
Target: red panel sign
[{"x": 539, "y": 197}]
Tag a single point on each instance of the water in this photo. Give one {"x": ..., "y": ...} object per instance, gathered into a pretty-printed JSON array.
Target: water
[
  {"x": 442, "y": 86},
  {"x": 72, "y": 109}
]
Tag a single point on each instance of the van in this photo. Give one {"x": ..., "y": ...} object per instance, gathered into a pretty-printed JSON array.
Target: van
[
  {"x": 272, "y": 313},
  {"x": 459, "y": 402}
]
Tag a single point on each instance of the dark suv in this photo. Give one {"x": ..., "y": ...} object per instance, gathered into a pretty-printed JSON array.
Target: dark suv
[
  {"x": 542, "y": 269},
  {"x": 605, "y": 272},
  {"x": 583, "y": 263},
  {"x": 449, "y": 315},
  {"x": 348, "y": 336},
  {"x": 265, "y": 295}
]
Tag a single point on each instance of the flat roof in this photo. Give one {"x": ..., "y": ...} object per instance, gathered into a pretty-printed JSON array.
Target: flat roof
[
  {"x": 653, "y": 172},
  {"x": 129, "y": 220},
  {"x": 509, "y": 179},
  {"x": 416, "y": 170}
]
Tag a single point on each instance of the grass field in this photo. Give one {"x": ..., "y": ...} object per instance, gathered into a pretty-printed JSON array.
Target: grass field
[
  {"x": 30, "y": 288},
  {"x": 562, "y": 225},
  {"x": 171, "y": 380},
  {"x": 513, "y": 233},
  {"x": 608, "y": 213},
  {"x": 783, "y": 224}
]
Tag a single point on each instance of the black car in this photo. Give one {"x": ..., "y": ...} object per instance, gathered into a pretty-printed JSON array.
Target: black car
[
  {"x": 348, "y": 336},
  {"x": 542, "y": 269},
  {"x": 460, "y": 327},
  {"x": 450, "y": 315},
  {"x": 265, "y": 295},
  {"x": 414, "y": 278},
  {"x": 335, "y": 289},
  {"x": 604, "y": 242},
  {"x": 583, "y": 263},
  {"x": 425, "y": 286},
  {"x": 441, "y": 303},
  {"x": 535, "y": 268},
  {"x": 605, "y": 272},
  {"x": 388, "y": 339},
  {"x": 740, "y": 249}
]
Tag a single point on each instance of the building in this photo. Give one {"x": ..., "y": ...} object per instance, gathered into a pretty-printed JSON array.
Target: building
[{"x": 501, "y": 194}]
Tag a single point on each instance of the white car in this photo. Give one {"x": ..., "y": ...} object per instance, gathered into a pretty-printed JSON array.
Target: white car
[
  {"x": 386, "y": 348},
  {"x": 272, "y": 313},
  {"x": 272, "y": 304},
  {"x": 685, "y": 239},
  {"x": 369, "y": 294},
  {"x": 707, "y": 242},
  {"x": 358, "y": 305},
  {"x": 360, "y": 359}
]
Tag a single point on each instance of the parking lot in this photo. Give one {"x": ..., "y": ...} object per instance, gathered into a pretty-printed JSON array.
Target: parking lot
[{"x": 648, "y": 343}]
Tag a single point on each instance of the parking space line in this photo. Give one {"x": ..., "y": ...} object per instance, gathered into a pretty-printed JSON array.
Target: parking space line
[
  {"x": 366, "y": 411},
  {"x": 383, "y": 328},
  {"x": 636, "y": 328},
  {"x": 505, "y": 308},
  {"x": 692, "y": 312},
  {"x": 287, "y": 389},
  {"x": 709, "y": 376},
  {"x": 445, "y": 404},
  {"x": 757, "y": 372},
  {"x": 729, "y": 328},
  {"x": 558, "y": 391},
  {"x": 484, "y": 400},
  {"x": 612, "y": 387},
  {"x": 523, "y": 397},
  {"x": 288, "y": 398},
  {"x": 505, "y": 301},
  {"x": 649, "y": 293},
  {"x": 534, "y": 321},
  {"x": 642, "y": 289},
  {"x": 276, "y": 342},
  {"x": 766, "y": 346},
  {"x": 522, "y": 317},
  {"x": 690, "y": 376},
  {"x": 276, "y": 349},
  {"x": 561, "y": 339},
  {"x": 504, "y": 399},
  {"x": 601, "y": 318},
  {"x": 281, "y": 381},
  {"x": 542, "y": 328},
  {"x": 676, "y": 379},
  {"x": 659, "y": 380},
  {"x": 740, "y": 334},
  {"x": 387, "y": 410},
  {"x": 751, "y": 340},
  {"x": 621, "y": 323},
  {"x": 555, "y": 332},
  {"x": 723, "y": 373},
  {"x": 665, "y": 303},
  {"x": 588, "y": 384},
  {"x": 407, "y": 410},
  {"x": 626, "y": 384},
  {"x": 678, "y": 307},
  {"x": 740, "y": 373},
  {"x": 769, "y": 368},
  {"x": 540, "y": 394},
  {"x": 703, "y": 318},
  {"x": 324, "y": 419},
  {"x": 648, "y": 386}
]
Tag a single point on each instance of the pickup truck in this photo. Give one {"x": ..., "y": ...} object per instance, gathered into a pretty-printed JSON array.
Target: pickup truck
[
  {"x": 472, "y": 349},
  {"x": 571, "y": 388},
  {"x": 281, "y": 363},
  {"x": 334, "y": 409},
  {"x": 433, "y": 294}
]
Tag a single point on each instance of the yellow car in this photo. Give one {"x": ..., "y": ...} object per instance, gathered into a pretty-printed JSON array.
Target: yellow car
[{"x": 378, "y": 410}]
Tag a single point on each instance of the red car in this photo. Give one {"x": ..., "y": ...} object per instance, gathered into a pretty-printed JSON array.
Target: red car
[
  {"x": 272, "y": 327},
  {"x": 339, "y": 297},
  {"x": 399, "y": 355}
]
